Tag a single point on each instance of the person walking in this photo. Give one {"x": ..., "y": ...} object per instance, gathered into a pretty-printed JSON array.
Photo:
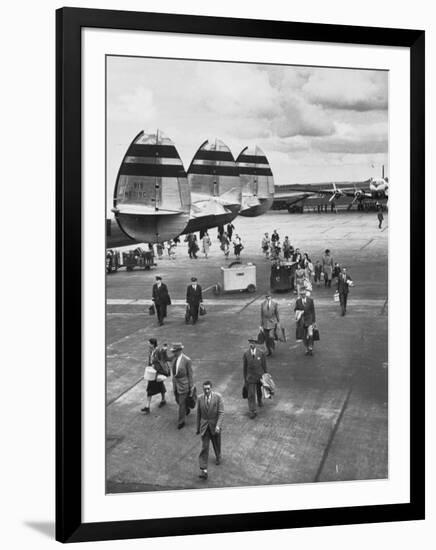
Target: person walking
[
  {"x": 275, "y": 237},
  {"x": 220, "y": 232},
  {"x": 254, "y": 366},
  {"x": 237, "y": 244},
  {"x": 206, "y": 244},
  {"x": 161, "y": 299},
  {"x": 299, "y": 277},
  {"x": 265, "y": 245},
  {"x": 305, "y": 316},
  {"x": 183, "y": 381},
  {"x": 210, "y": 413},
  {"x": 225, "y": 245},
  {"x": 230, "y": 229},
  {"x": 269, "y": 318},
  {"x": 287, "y": 248},
  {"x": 157, "y": 358},
  {"x": 327, "y": 267},
  {"x": 317, "y": 272},
  {"x": 193, "y": 299},
  {"x": 344, "y": 282},
  {"x": 380, "y": 218}
]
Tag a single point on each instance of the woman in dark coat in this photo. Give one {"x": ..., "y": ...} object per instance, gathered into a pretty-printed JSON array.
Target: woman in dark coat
[{"x": 157, "y": 358}]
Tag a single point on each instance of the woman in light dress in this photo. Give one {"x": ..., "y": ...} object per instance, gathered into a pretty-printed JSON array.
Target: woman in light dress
[{"x": 206, "y": 244}]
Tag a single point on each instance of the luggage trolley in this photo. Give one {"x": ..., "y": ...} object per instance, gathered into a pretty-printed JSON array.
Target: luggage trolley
[
  {"x": 237, "y": 277},
  {"x": 282, "y": 276}
]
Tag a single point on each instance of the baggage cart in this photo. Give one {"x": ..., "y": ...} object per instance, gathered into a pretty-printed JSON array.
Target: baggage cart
[
  {"x": 237, "y": 277},
  {"x": 282, "y": 276}
]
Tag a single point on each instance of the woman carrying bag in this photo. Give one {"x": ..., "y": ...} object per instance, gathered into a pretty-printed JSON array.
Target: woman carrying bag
[{"x": 158, "y": 359}]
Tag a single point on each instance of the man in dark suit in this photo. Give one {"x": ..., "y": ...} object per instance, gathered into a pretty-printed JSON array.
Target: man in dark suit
[
  {"x": 344, "y": 282},
  {"x": 254, "y": 366},
  {"x": 193, "y": 299},
  {"x": 161, "y": 299},
  {"x": 305, "y": 315},
  {"x": 183, "y": 381},
  {"x": 210, "y": 412}
]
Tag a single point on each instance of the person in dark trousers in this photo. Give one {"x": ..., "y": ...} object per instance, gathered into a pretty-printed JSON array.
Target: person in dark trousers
[
  {"x": 230, "y": 229},
  {"x": 344, "y": 282},
  {"x": 183, "y": 381},
  {"x": 254, "y": 366},
  {"x": 305, "y": 313},
  {"x": 210, "y": 413},
  {"x": 380, "y": 218},
  {"x": 157, "y": 358},
  {"x": 161, "y": 299},
  {"x": 193, "y": 299},
  {"x": 269, "y": 317},
  {"x": 275, "y": 237}
]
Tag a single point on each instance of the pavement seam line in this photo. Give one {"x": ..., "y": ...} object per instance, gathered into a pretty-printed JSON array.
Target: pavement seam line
[
  {"x": 332, "y": 435},
  {"x": 124, "y": 392}
]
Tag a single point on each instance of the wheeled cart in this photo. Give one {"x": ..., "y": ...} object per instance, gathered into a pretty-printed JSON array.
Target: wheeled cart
[
  {"x": 237, "y": 277},
  {"x": 282, "y": 276}
]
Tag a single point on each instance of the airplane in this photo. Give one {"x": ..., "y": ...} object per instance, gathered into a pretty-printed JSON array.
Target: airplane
[
  {"x": 215, "y": 187},
  {"x": 373, "y": 189},
  {"x": 151, "y": 197},
  {"x": 155, "y": 200},
  {"x": 257, "y": 182}
]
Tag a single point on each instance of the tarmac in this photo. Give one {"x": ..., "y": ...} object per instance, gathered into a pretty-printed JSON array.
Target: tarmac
[{"x": 328, "y": 420}]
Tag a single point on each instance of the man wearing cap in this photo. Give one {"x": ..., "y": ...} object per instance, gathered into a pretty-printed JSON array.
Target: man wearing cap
[
  {"x": 254, "y": 366},
  {"x": 269, "y": 317},
  {"x": 193, "y": 299},
  {"x": 183, "y": 382},
  {"x": 210, "y": 412},
  {"x": 306, "y": 306},
  {"x": 344, "y": 282},
  {"x": 161, "y": 299}
]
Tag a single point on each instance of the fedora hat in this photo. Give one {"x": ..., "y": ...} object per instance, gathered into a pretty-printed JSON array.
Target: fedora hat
[{"x": 177, "y": 346}]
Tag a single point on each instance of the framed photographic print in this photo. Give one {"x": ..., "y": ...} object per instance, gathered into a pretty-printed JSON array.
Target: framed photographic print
[{"x": 236, "y": 275}]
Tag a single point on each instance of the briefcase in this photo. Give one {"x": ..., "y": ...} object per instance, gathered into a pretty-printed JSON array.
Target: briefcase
[
  {"x": 191, "y": 400},
  {"x": 151, "y": 310},
  {"x": 187, "y": 314}
]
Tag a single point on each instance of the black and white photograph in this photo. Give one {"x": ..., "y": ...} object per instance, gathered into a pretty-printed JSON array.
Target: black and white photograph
[{"x": 247, "y": 246}]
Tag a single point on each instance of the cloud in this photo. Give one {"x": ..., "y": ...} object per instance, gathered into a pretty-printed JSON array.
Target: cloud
[
  {"x": 348, "y": 89},
  {"x": 349, "y": 145}
]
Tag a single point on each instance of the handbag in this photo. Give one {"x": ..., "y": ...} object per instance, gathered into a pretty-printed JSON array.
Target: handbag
[
  {"x": 202, "y": 309},
  {"x": 336, "y": 296},
  {"x": 244, "y": 392},
  {"x": 315, "y": 335},
  {"x": 150, "y": 374},
  {"x": 152, "y": 310}
]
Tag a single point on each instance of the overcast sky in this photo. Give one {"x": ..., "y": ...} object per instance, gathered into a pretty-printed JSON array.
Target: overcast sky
[{"x": 314, "y": 124}]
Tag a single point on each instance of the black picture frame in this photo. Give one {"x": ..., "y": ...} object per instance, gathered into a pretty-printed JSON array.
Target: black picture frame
[{"x": 69, "y": 22}]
